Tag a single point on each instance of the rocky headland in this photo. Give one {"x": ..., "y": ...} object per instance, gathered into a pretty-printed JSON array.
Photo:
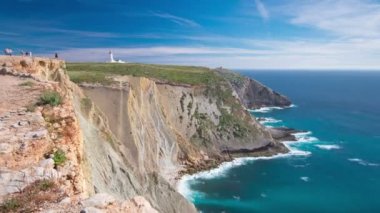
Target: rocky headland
[{"x": 118, "y": 138}]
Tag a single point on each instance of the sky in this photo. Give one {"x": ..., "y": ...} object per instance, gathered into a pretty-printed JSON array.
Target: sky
[{"x": 239, "y": 34}]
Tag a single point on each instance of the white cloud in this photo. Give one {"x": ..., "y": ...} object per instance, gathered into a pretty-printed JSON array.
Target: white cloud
[
  {"x": 259, "y": 54},
  {"x": 176, "y": 19},
  {"x": 348, "y": 18},
  {"x": 81, "y": 33},
  {"x": 262, "y": 9},
  {"x": 8, "y": 34}
]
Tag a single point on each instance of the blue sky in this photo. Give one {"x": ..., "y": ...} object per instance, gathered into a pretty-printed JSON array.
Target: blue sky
[{"x": 257, "y": 34}]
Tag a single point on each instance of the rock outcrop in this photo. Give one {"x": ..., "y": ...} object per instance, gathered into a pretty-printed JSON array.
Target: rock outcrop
[{"x": 252, "y": 93}]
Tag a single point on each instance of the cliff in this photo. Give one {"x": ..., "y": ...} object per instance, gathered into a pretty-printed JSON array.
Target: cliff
[
  {"x": 252, "y": 93},
  {"x": 119, "y": 141}
]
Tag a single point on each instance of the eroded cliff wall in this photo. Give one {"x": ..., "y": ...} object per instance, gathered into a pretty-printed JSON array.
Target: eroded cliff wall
[{"x": 126, "y": 142}]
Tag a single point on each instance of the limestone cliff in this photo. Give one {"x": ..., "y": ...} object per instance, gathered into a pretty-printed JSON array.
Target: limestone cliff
[{"x": 116, "y": 144}]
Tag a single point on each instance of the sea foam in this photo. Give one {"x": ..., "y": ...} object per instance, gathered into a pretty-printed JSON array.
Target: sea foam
[
  {"x": 304, "y": 137},
  {"x": 328, "y": 147},
  {"x": 269, "y": 109},
  {"x": 268, "y": 120},
  {"x": 362, "y": 162},
  {"x": 264, "y": 109},
  {"x": 183, "y": 185}
]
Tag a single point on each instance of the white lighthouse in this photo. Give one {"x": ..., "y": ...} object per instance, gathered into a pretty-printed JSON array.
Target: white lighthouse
[{"x": 112, "y": 60}]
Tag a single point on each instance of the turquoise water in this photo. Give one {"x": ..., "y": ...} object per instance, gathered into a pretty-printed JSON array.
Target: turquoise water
[{"x": 337, "y": 166}]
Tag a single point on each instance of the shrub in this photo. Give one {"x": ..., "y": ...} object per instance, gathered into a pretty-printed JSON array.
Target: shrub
[
  {"x": 31, "y": 108},
  {"x": 10, "y": 205},
  {"x": 44, "y": 185},
  {"x": 33, "y": 197},
  {"x": 27, "y": 84},
  {"x": 86, "y": 103},
  {"x": 50, "y": 97},
  {"x": 59, "y": 157}
]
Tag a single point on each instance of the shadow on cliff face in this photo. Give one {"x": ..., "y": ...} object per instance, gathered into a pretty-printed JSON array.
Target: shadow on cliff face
[{"x": 125, "y": 162}]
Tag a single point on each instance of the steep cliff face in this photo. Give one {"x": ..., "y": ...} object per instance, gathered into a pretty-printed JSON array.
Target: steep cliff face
[
  {"x": 166, "y": 126},
  {"x": 252, "y": 93},
  {"x": 136, "y": 154},
  {"x": 125, "y": 139},
  {"x": 162, "y": 128}
]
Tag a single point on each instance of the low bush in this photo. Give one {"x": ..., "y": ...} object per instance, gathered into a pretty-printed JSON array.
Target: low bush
[
  {"x": 59, "y": 157},
  {"x": 27, "y": 84},
  {"x": 51, "y": 98},
  {"x": 10, "y": 205}
]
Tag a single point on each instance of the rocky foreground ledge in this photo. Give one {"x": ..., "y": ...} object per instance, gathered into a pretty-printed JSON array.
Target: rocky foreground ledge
[{"x": 41, "y": 146}]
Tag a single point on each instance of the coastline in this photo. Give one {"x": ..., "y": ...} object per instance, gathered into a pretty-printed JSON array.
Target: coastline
[{"x": 287, "y": 138}]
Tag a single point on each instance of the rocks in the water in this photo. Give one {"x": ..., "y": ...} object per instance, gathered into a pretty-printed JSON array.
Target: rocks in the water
[{"x": 284, "y": 133}]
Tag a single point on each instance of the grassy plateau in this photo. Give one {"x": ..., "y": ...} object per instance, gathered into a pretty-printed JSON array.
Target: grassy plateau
[{"x": 99, "y": 73}]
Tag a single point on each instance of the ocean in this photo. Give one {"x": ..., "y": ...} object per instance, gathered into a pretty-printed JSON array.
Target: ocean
[{"x": 335, "y": 167}]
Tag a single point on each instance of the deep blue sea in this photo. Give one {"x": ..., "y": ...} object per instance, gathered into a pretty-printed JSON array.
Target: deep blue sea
[{"x": 334, "y": 168}]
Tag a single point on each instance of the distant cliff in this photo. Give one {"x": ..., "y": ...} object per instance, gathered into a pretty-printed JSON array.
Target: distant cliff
[
  {"x": 119, "y": 142},
  {"x": 252, "y": 93}
]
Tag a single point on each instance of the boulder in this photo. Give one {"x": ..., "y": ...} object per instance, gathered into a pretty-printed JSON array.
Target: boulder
[
  {"x": 100, "y": 200},
  {"x": 5, "y": 148},
  {"x": 36, "y": 134},
  {"x": 47, "y": 163},
  {"x": 91, "y": 210}
]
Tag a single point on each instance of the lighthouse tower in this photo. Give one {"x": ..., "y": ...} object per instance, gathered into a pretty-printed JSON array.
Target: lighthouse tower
[{"x": 112, "y": 60}]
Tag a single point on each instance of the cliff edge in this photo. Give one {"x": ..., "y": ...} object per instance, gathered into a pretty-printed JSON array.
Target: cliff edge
[{"x": 252, "y": 93}]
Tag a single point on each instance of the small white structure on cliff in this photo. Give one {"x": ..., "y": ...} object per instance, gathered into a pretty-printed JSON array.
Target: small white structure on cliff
[{"x": 112, "y": 60}]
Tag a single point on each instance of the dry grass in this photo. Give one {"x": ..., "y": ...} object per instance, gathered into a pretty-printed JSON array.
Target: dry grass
[{"x": 33, "y": 197}]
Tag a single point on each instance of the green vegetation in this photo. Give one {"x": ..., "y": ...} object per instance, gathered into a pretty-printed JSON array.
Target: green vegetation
[
  {"x": 50, "y": 97},
  {"x": 33, "y": 197},
  {"x": 204, "y": 124},
  {"x": 98, "y": 73},
  {"x": 189, "y": 107},
  {"x": 89, "y": 77},
  {"x": 10, "y": 205},
  {"x": 86, "y": 104},
  {"x": 59, "y": 157},
  {"x": 234, "y": 78},
  {"x": 31, "y": 107},
  {"x": 181, "y": 101},
  {"x": 230, "y": 122},
  {"x": 45, "y": 185},
  {"x": 217, "y": 90},
  {"x": 27, "y": 84}
]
